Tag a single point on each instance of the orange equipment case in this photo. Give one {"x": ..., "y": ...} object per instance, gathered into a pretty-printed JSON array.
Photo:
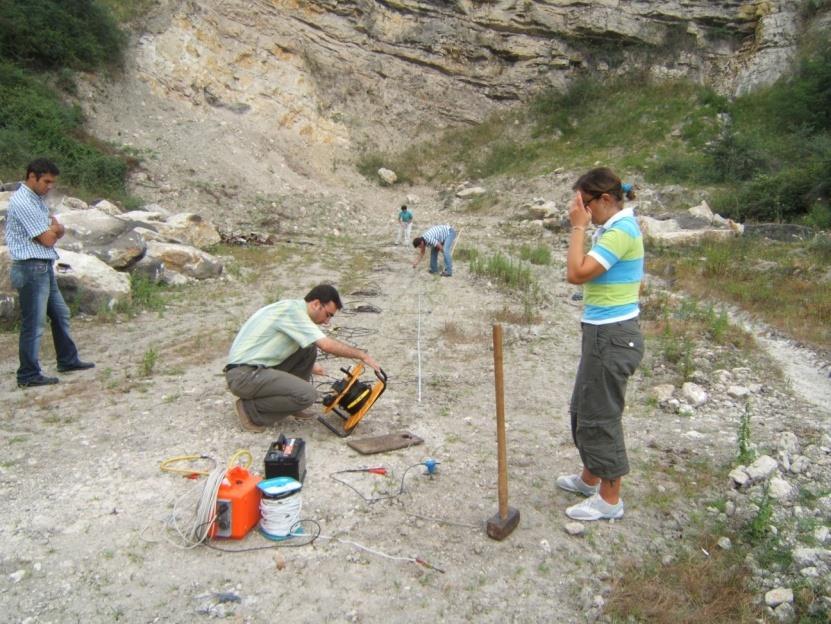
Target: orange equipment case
[{"x": 237, "y": 504}]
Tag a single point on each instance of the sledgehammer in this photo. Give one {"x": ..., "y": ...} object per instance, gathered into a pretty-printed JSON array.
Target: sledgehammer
[{"x": 502, "y": 524}]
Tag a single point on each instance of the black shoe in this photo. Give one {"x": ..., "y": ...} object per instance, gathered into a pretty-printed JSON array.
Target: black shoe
[
  {"x": 40, "y": 380},
  {"x": 79, "y": 365}
]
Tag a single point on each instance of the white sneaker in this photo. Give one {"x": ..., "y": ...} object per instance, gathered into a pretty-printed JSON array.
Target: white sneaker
[
  {"x": 573, "y": 483},
  {"x": 595, "y": 508}
]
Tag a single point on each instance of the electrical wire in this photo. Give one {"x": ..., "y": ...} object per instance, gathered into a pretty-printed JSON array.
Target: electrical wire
[
  {"x": 279, "y": 515},
  {"x": 293, "y": 543},
  {"x": 352, "y": 307},
  {"x": 378, "y": 553},
  {"x": 190, "y": 521},
  {"x": 167, "y": 465},
  {"x": 380, "y": 497}
]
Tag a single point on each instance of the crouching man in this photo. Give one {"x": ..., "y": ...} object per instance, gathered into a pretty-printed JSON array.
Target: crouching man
[{"x": 274, "y": 356}]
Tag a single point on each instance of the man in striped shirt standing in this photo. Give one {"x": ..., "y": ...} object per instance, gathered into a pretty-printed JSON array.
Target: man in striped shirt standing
[
  {"x": 31, "y": 235},
  {"x": 437, "y": 238},
  {"x": 612, "y": 346}
]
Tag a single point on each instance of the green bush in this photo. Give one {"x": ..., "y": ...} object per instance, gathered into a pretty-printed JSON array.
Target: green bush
[
  {"x": 34, "y": 122},
  {"x": 43, "y": 42},
  {"x": 51, "y": 34}
]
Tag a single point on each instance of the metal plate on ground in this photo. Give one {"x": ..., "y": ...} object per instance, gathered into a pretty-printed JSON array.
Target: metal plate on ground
[{"x": 387, "y": 442}]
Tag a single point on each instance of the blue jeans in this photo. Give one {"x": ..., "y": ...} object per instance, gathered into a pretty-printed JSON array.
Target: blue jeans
[
  {"x": 40, "y": 297},
  {"x": 447, "y": 247}
]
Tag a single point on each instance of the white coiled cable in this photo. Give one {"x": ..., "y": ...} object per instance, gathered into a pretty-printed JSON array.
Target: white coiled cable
[{"x": 279, "y": 515}]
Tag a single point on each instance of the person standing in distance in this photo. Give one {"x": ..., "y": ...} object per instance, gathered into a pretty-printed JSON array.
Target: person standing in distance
[
  {"x": 405, "y": 225},
  {"x": 31, "y": 235},
  {"x": 612, "y": 344}
]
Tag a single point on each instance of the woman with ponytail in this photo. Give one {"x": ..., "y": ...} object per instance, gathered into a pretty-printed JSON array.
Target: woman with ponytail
[{"x": 612, "y": 344}]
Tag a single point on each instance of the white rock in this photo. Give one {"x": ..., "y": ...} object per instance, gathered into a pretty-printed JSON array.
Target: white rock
[
  {"x": 800, "y": 464},
  {"x": 777, "y": 596},
  {"x": 575, "y": 528},
  {"x": 722, "y": 376},
  {"x": 546, "y": 547},
  {"x": 761, "y": 468},
  {"x": 738, "y": 392},
  {"x": 16, "y": 577},
  {"x": 780, "y": 489},
  {"x": 191, "y": 229},
  {"x": 189, "y": 261},
  {"x": 702, "y": 211},
  {"x": 788, "y": 442},
  {"x": 98, "y": 285},
  {"x": 387, "y": 175},
  {"x": 663, "y": 392},
  {"x": 73, "y": 203},
  {"x": 785, "y": 613},
  {"x": 108, "y": 208},
  {"x": 739, "y": 476},
  {"x": 653, "y": 227},
  {"x": 806, "y": 557},
  {"x": 687, "y": 411},
  {"x": 694, "y": 393},
  {"x": 724, "y": 543},
  {"x": 821, "y": 534},
  {"x": 473, "y": 191}
]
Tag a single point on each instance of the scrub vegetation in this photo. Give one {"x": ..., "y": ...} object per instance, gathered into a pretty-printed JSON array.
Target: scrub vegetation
[
  {"x": 774, "y": 280},
  {"x": 42, "y": 44},
  {"x": 765, "y": 156}
]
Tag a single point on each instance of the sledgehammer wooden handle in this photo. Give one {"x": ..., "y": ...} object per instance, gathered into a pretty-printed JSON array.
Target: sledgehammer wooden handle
[{"x": 506, "y": 519}]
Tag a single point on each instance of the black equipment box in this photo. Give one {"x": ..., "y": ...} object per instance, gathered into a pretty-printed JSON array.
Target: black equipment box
[{"x": 286, "y": 458}]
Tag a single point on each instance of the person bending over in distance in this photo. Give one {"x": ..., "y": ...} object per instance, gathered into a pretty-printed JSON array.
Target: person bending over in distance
[
  {"x": 438, "y": 238},
  {"x": 274, "y": 356},
  {"x": 612, "y": 344},
  {"x": 31, "y": 235}
]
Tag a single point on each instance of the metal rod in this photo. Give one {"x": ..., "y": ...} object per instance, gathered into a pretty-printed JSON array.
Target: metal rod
[{"x": 502, "y": 457}]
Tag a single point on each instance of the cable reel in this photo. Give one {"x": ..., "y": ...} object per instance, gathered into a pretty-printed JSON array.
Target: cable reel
[{"x": 351, "y": 399}]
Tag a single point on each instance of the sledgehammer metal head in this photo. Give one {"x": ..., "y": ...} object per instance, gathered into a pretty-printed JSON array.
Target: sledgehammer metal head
[{"x": 499, "y": 528}]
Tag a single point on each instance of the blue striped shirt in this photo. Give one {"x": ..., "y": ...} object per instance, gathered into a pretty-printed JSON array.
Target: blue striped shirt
[
  {"x": 436, "y": 234},
  {"x": 28, "y": 218},
  {"x": 613, "y": 295}
]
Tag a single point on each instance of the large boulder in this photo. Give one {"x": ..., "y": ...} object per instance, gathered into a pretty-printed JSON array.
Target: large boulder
[
  {"x": 191, "y": 229},
  {"x": 8, "y": 295},
  {"x": 92, "y": 284},
  {"x": 89, "y": 282},
  {"x": 188, "y": 261},
  {"x": 186, "y": 228},
  {"x": 108, "y": 238},
  {"x": 107, "y": 207},
  {"x": 387, "y": 176},
  {"x": 149, "y": 218},
  {"x": 151, "y": 269}
]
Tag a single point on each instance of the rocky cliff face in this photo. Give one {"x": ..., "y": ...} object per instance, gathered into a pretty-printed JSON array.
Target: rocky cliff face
[
  {"x": 326, "y": 68},
  {"x": 304, "y": 78}
]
